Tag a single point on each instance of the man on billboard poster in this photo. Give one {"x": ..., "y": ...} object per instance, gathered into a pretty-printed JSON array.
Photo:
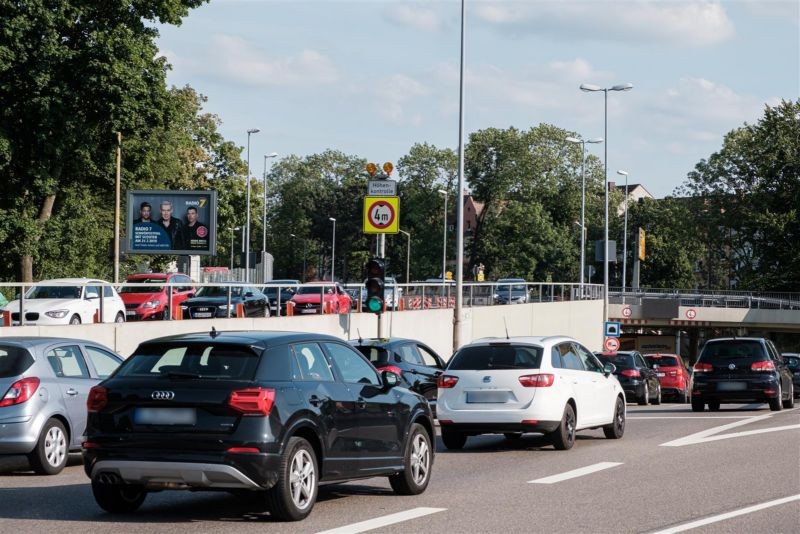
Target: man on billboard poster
[
  {"x": 172, "y": 226},
  {"x": 195, "y": 232}
]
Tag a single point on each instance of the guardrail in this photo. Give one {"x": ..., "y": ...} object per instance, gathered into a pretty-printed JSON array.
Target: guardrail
[
  {"x": 710, "y": 298},
  {"x": 413, "y": 296}
]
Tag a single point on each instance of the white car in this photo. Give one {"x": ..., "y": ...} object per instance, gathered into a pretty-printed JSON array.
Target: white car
[
  {"x": 548, "y": 385},
  {"x": 68, "y": 301}
]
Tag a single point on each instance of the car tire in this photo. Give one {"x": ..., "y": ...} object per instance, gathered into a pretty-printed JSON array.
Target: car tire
[
  {"x": 293, "y": 497},
  {"x": 417, "y": 463},
  {"x": 776, "y": 404},
  {"x": 713, "y": 406},
  {"x": 789, "y": 402},
  {"x": 563, "y": 438},
  {"x": 453, "y": 439},
  {"x": 50, "y": 454},
  {"x": 645, "y": 398},
  {"x": 120, "y": 318},
  {"x": 118, "y": 498},
  {"x": 657, "y": 400},
  {"x": 75, "y": 319},
  {"x": 616, "y": 429},
  {"x": 698, "y": 405}
]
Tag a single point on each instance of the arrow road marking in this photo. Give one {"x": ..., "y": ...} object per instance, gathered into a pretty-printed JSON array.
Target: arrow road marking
[
  {"x": 710, "y": 434},
  {"x": 575, "y": 473}
]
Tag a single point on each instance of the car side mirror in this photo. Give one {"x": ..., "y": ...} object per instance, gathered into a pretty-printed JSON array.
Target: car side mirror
[
  {"x": 609, "y": 369},
  {"x": 390, "y": 379}
]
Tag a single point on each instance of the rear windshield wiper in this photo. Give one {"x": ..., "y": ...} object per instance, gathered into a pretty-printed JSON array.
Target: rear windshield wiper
[{"x": 179, "y": 374}]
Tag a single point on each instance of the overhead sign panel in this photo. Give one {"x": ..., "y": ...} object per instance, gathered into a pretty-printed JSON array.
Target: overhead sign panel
[{"x": 381, "y": 215}]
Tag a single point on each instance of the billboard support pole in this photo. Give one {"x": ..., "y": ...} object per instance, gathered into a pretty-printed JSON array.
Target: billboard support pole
[{"x": 117, "y": 209}]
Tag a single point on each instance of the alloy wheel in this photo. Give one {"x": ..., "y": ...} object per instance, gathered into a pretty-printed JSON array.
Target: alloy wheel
[
  {"x": 420, "y": 459},
  {"x": 302, "y": 479}
]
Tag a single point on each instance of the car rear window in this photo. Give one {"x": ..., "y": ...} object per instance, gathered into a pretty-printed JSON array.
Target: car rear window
[
  {"x": 662, "y": 361},
  {"x": 486, "y": 357},
  {"x": 619, "y": 360},
  {"x": 373, "y": 354},
  {"x": 193, "y": 360},
  {"x": 14, "y": 361},
  {"x": 733, "y": 350}
]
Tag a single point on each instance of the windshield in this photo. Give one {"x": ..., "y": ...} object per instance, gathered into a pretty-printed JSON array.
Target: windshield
[
  {"x": 219, "y": 291},
  {"x": 196, "y": 360},
  {"x": 488, "y": 357},
  {"x": 54, "y": 292},
  {"x": 662, "y": 361},
  {"x": 313, "y": 290},
  {"x": 513, "y": 287},
  {"x": 13, "y": 361},
  {"x": 144, "y": 289}
]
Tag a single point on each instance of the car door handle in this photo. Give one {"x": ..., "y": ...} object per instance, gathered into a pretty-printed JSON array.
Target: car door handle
[
  {"x": 316, "y": 401},
  {"x": 361, "y": 404},
  {"x": 71, "y": 392}
]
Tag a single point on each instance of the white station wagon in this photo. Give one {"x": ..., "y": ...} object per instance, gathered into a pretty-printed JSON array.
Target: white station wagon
[
  {"x": 68, "y": 301},
  {"x": 548, "y": 385}
]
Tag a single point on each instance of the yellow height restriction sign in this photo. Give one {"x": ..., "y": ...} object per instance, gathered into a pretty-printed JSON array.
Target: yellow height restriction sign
[{"x": 381, "y": 215}]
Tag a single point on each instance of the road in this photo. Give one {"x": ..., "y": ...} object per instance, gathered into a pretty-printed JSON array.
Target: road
[{"x": 672, "y": 470}]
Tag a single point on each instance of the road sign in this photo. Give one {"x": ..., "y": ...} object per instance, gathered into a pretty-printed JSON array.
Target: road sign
[
  {"x": 611, "y": 344},
  {"x": 691, "y": 313},
  {"x": 381, "y": 215},
  {"x": 612, "y": 329},
  {"x": 627, "y": 311},
  {"x": 641, "y": 244},
  {"x": 382, "y": 188}
]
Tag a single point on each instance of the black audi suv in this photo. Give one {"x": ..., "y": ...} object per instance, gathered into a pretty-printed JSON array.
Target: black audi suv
[
  {"x": 737, "y": 370},
  {"x": 275, "y": 413}
]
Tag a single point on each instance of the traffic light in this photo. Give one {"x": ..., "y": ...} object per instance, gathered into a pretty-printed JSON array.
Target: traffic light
[{"x": 376, "y": 282}]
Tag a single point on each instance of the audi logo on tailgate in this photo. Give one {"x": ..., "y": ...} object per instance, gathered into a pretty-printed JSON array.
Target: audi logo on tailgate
[{"x": 162, "y": 395}]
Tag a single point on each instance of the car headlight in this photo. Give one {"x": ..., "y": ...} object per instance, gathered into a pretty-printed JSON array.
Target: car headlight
[
  {"x": 151, "y": 304},
  {"x": 184, "y": 308},
  {"x": 57, "y": 314},
  {"x": 225, "y": 307}
]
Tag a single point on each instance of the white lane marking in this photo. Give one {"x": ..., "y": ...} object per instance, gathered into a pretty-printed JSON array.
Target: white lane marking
[
  {"x": 698, "y": 417},
  {"x": 728, "y": 515},
  {"x": 711, "y": 433},
  {"x": 575, "y": 473},
  {"x": 383, "y": 521}
]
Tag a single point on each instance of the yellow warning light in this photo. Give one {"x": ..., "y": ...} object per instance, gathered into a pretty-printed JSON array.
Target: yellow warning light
[
  {"x": 388, "y": 167},
  {"x": 372, "y": 169}
]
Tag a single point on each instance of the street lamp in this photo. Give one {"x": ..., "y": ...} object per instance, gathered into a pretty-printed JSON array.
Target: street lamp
[
  {"x": 333, "y": 249},
  {"x": 264, "y": 220},
  {"x": 247, "y": 225},
  {"x": 444, "y": 238},
  {"x": 591, "y": 89},
  {"x": 583, "y": 198},
  {"x": 624, "y": 233},
  {"x": 408, "y": 252},
  {"x": 233, "y": 233}
]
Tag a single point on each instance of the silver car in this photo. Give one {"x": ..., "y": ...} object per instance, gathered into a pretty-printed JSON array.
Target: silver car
[{"x": 44, "y": 383}]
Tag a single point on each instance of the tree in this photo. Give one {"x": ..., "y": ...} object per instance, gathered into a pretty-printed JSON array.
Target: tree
[{"x": 72, "y": 72}]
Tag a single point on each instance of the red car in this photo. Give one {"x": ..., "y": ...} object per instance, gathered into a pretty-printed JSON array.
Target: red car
[
  {"x": 144, "y": 302},
  {"x": 673, "y": 375},
  {"x": 307, "y": 298}
]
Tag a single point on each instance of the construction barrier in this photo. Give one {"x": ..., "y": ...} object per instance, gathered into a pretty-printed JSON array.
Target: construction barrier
[
  {"x": 290, "y": 309},
  {"x": 240, "y": 311},
  {"x": 6, "y": 319},
  {"x": 177, "y": 313},
  {"x": 96, "y": 316}
]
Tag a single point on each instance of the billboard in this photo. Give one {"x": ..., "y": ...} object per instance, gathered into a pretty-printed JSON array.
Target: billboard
[{"x": 171, "y": 222}]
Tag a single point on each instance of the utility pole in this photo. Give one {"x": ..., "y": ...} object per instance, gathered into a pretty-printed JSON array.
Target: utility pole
[{"x": 116, "y": 208}]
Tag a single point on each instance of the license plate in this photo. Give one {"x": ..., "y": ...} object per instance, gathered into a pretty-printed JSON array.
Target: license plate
[
  {"x": 203, "y": 314},
  {"x": 731, "y": 386},
  {"x": 308, "y": 311},
  {"x": 130, "y": 312},
  {"x": 661, "y": 374},
  {"x": 486, "y": 397},
  {"x": 165, "y": 416}
]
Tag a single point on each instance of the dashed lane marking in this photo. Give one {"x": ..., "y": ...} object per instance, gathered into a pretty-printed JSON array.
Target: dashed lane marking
[
  {"x": 575, "y": 473},
  {"x": 728, "y": 515},
  {"x": 383, "y": 521}
]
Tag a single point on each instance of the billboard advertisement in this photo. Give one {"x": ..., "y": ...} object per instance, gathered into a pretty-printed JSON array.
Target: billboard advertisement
[{"x": 171, "y": 222}]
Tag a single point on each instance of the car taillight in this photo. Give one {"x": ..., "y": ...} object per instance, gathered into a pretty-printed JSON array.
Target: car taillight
[
  {"x": 763, "y": 366},
  {"x": 703, "y": 367},
  {"x": 20, "y": 391},
  {"x": 393, "y": 368},
  {"x": 243, "y": 450},
  {"x": 252, "y": 401},
  {"x": 97, "y": 399},
  {"x": 673, "y": 373},
  {"x": 537, "y": 381},
  {"x": 447, "y": 381},
  {"x": 631, "y": 372}
]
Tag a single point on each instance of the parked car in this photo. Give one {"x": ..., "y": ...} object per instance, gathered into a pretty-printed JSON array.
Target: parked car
[
  {"x": 673, "y": 375},
  {"x": 287, "y": 290},
  {"x": 511, "y": 291},
  {"x": 45, "y": 382},
  {"x": 548, "y": 385},
  {"x": 212, "y": 301},
  {"x": 272, "y": 413},
  {"x": 638, "y": 379},
  {"x": 143, "y": 302},
  {"x": 392, "y": 293},
  {"x": 417, "y": 364},
  {"x": 3, "y": 300},
  {"x": 734, "y": 370},
  {"x": 308, "y": 297},
  {"x": 793, "y": 363},
  {"x": 68, "y": 301}
]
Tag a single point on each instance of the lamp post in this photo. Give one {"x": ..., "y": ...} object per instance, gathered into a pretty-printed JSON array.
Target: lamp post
[
  {"x": 624, "y": 233},
  {"x": 591, "y": 89},
  {"x": 408, "y": 252},
  {"x": 247, "y": 224},
  {"x": 583, "y": 198},
  {"x": 444, "y": 238},
  {"x": 333, "y": 249},
  {"x": 233, "y": 233},
  {"x": 264, "y": 220}
]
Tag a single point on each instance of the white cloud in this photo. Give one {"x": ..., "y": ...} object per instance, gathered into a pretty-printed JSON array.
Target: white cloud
[
  {"x": 394, "y": 96},
  {"x": 686, "y": 23},
  {"x": 415, "y": 16}
]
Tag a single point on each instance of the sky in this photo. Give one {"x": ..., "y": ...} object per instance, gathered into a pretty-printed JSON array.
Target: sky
[{"x": 371, "y": 78}]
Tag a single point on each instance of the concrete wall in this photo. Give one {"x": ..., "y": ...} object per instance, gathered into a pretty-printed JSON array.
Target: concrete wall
[{"x": 580, "y": 319}]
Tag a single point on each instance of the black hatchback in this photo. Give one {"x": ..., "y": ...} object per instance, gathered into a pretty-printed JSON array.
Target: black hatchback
[
  {"x": 737, "y": 370},
  {"x": 274, "y": 413},
  {"x": 637, "y": 379}
]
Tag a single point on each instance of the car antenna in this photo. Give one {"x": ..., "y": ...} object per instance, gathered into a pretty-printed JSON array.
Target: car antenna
[
  {"x": 214, "y": 333},
  {"x": 506, "y": 325},
  {"x": 359, "y": 335}
]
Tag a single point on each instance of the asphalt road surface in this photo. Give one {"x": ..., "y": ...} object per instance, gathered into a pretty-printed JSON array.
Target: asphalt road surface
[{"x": 736, "y": 470}]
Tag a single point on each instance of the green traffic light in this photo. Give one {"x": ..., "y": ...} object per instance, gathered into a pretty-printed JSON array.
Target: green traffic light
[{"x": 375, "y": 305}]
